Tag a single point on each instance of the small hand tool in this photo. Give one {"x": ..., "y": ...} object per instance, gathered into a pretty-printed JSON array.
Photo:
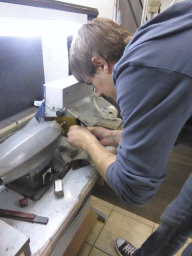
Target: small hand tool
[{"x": 29, "y": 217}]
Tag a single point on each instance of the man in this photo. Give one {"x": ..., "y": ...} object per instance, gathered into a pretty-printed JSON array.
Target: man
[{"x": 151, "y": 80}]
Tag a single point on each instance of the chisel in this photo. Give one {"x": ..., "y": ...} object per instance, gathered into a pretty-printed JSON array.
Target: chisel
[{"x": 29, "y": 217}]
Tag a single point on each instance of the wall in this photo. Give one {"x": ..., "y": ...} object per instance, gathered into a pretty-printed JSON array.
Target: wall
[
  {"x": 48, "y": 24},
  {"x": 24, "y": 83},
  {"x": 105, "y": 7},
  {"x": 166, "y": 3}
]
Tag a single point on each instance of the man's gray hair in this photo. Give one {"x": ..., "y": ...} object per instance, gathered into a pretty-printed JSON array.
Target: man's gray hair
[{"x": 100, "y": 37}]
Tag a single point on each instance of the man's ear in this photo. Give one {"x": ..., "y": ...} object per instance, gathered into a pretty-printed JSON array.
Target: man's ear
[{"x": 101, "y": 64}]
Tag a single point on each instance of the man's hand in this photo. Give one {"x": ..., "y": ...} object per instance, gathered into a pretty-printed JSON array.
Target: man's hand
[
  {"x": 106, "y": 137},
  {"x": 82, "y": 138}
]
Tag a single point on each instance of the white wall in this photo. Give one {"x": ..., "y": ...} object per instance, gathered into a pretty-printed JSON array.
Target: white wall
[
  {"x": 166, "y": 3},
  {"x": 54, "y": 51},
  {"x": 52, "y": 25},
  {"x": 105, "y": 7}
]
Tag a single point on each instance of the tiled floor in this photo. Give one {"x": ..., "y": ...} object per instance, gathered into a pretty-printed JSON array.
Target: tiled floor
[{"x": 119, "y": 224}]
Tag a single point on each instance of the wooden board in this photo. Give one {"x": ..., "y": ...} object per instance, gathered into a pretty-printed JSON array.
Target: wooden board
[{"x": 81, "y": 234}]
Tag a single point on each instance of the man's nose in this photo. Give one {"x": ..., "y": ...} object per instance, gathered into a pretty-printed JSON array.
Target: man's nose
[{"x": 99, "y": 94}]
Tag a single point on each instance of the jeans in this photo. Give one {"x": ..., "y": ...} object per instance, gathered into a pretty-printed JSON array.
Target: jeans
[{"x": 175, "y": 229}]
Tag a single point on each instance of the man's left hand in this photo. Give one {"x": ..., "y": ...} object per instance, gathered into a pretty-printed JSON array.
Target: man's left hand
[{"x": 80, "y": 137}]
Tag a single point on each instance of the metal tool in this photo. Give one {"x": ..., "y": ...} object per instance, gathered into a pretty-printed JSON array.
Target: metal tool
[
  {"x": 68, "y": 97},
  {"x": 29, "y": 217},
  {"x": 27, "y": 156},
  {"x": 59, "y": 188}
]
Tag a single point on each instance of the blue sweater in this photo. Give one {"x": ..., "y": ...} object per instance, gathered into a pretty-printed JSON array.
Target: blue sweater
[{"x": 153, "y": 80}]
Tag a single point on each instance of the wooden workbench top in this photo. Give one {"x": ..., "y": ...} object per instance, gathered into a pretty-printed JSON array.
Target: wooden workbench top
[{"x": 60, "y": 211}]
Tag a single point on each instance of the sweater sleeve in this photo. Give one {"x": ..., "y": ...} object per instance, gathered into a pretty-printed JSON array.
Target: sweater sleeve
[{"x": 155, "y": 104}]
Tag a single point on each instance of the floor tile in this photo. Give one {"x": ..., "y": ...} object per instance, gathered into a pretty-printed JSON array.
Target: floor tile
[
  {"x": 134, "y": 216},
  {"x": 97, "y": 252},
  {"x": 102, "y": 202},
  {"x": 180, "y": 251},
  {"x": 93, "y": 235},
  {"x": 127, "y": 213},
  {"x": 146, "y": 222},
  {"x": 189, "y": 240},
  {"x": 85, "y": 250},
  {"x": 105, "y": 210},
  {"x": 155, "y": 227},
  {"x": 121, "y": 226},
  {"x": 95, "y": 232},
  {"x": 181, "y": 154}
]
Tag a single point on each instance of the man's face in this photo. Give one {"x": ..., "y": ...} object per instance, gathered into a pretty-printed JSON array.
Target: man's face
[
  {"x": 104, "y": 86},
  {"x": 103, "y": 82}
]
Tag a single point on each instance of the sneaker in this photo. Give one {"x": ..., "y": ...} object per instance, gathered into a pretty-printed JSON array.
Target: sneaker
[{"x": 124, "y": 248}]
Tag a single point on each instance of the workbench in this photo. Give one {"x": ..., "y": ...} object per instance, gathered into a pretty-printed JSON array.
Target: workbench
[{"x": 68, "y": 216}]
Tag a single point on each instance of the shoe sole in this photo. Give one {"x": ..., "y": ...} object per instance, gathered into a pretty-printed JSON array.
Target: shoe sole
[{"x": 117, "y": 250}]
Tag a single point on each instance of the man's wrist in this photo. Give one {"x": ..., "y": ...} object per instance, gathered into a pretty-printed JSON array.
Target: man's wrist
[
  {"x": 115, "y": 137},
  {"x": 89, "y": 144}
]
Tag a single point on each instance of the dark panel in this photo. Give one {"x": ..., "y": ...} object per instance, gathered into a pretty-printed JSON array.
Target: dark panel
[
  {"x": 69, "y": 41},
  {"x": 136, "y": 8},
  {"x": 21, "y": 74},
  {"x": 129, "y": 14}
]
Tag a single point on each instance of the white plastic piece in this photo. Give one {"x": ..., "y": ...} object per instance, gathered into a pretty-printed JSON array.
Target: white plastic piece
[
  {"x": 109, "y": 113},
  {"x": 38, "y": 103},
  {"x": 61, "y": 93}
]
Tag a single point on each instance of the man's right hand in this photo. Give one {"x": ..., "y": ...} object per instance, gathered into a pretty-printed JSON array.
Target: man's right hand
[{"x": 106, "y": 137}]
